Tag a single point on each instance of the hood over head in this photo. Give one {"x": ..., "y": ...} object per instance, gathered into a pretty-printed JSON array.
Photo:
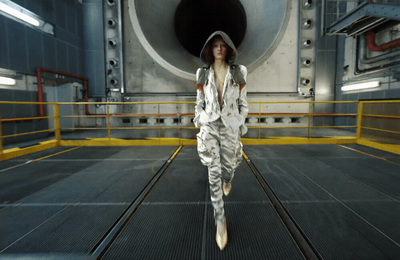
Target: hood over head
[{"x": 227, "y": 40}]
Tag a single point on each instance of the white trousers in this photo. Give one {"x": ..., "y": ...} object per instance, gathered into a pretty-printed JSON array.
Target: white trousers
[{"x": 220, "y": 150}]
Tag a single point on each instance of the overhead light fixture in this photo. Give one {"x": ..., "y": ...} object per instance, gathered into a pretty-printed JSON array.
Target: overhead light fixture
[
  {"x": 7, "y": 81},
  {"x": 18, "y": 13},
  {"x": 358, "y": 86}
]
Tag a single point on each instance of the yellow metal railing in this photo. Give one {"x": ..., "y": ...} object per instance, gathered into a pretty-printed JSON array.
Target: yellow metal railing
[
  {"x": 309, "y": 114},
  {"x": 379, "y": 122},
  {"x": 362, "y": 118}
]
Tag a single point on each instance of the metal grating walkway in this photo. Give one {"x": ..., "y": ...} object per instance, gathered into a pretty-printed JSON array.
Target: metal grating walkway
[{"x": 153, "y": 203}]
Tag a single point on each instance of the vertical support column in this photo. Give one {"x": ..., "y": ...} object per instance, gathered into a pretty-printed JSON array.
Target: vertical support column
[
  {"x": 159, "y": 123},
  {"x": 359, "y": 119},
  {"x": 40, "y": 90},
  {"x": 307, "y": 40},
  {"x": 57, "y": 123},
  {"x": 93, "y": 43},
  {"x": 113, "y": 47}
]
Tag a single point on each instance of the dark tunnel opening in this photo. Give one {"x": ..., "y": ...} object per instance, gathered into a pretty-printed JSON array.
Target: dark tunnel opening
[{"x": 195, "y": 20}]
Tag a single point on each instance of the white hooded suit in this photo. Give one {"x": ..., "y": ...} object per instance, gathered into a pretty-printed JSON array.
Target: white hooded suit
[{"x": 218, "y": 142}]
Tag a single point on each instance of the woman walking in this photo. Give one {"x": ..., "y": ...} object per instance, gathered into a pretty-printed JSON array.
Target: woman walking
[{"x": 220, "y": 112}]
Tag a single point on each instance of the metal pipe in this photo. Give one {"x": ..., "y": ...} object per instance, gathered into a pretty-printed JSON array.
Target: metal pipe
[
  {"x": 369, "y": 60},
  {"x": 383, "y": 47},
  {"x": 40, "y": 87},
  {"x": 358, "y": 71}
]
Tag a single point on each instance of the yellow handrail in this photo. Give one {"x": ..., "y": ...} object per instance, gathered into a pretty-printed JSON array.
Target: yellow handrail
[
  {"x": 359, "y": 120},
  {"x": 158, "y": 115}
]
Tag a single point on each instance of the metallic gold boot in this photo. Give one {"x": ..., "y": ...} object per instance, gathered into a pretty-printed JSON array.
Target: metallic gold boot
[
  {"x": 222, "y": 239},
  {"x": 227, "y": 188}
]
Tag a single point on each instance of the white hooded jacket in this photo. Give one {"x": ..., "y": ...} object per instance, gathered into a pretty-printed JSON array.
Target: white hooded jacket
[{"x": 234, "y": 96}]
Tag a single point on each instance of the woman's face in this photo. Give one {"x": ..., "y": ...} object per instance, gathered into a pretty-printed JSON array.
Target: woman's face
[{"x": 219, "y": 49}]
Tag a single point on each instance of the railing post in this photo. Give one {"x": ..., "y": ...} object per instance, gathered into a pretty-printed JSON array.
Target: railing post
[
  {"x": 57, "y": 123},
  {"x": 159, "y": 125},
  {"x": 359, "y": 119},
  {"x": 108, "y": 121}
]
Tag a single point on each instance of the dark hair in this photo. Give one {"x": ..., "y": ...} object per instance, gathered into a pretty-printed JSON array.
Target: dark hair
[{"x": 208, "y": 53}]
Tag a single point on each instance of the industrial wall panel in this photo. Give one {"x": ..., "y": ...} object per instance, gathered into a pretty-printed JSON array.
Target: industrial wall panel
[
  {"x": 25, "y": 44},
  {"x": 371, "y": 95},
  {"x": 74, "y": 61},
  {"x": 34, "y": 6},
  {"x": 15, "y": 111},
  {"x": 59, "y": 11},
  {"x": 21, "y": 2},
  {"x": 393, "y": 93},
  {"x": 35, "y": 49},
  {"x": 23, "y": 110},
  {"x": 377, "y": 95},
  {"x": 17, "y": 43},
  {"x": 62, "y": 56},
  {"x": 4, "y": 54},
  {"x": 68, "y": 37},
  {"x": 6, "y": 110},
  {"x": 8, "y": 129},
  {"x": 5, "y": 94},
  {"x": 48, "y": 7},
  {"x": 70, "y": 15},
  {"x": 49, "y": 52}
]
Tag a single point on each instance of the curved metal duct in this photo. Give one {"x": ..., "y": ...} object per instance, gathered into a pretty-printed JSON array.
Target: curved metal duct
[{"x": 173, "y": 31}]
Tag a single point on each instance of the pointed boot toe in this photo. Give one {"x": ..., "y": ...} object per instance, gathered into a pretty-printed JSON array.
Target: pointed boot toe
[
  {"x": 227, "y": 188},
  {"x": 222, "y": 239}
]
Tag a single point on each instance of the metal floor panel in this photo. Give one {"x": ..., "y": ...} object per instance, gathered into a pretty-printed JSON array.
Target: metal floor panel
[
  {"x": 71, "y": 214},
  {"x": 386, "y": 155},
  {"x": 75, "y": 229},
  {"x": 186, "y": 181},
  {"x": 124, "y": 184},
  {"x": 32, "y": 156},
  {"x": 101, "y": 176},
  {"x": 254, "y": 232},
  {"x": 120, "y": 152},
  {"x": 338, "y": 233},
  {"x": 53, "y": 172},
  {"x": 382, "y": 214},
  {"x": 161, "y": 232},
  {"x": 16, "y": 222},
  {"x": 50, "y": 256},
  {"x": 13, "y": 184},
  {"x": 375, "y": 173},
  {"x": 299, "y": 151},
  {"x": 344, "y": 201},
  {"x": 78, "y": 185},
  {"x": 327, "y": 177},
  {"x": 289, "y": 184},
  {"x": 176, "y": 219}
]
